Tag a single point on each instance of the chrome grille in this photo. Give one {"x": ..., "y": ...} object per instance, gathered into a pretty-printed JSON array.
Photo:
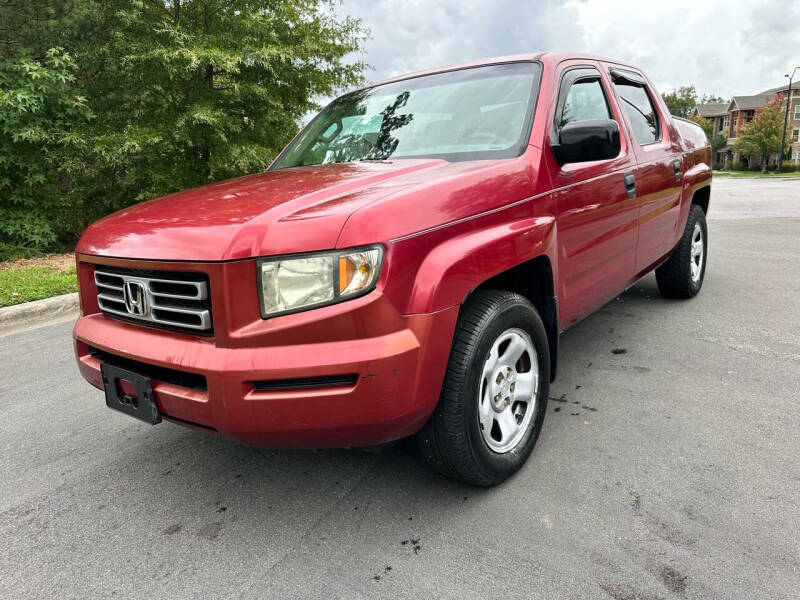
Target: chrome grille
[{"x": 158, "y": 298}]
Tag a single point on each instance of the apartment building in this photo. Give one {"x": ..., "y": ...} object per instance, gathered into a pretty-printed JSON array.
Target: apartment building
[{"x": 729, "y": 117}]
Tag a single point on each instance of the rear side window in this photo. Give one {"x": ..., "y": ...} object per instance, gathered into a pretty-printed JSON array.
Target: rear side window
[
  {"x": 641, "y": 113},
  {"x": 584, "y": 101}
]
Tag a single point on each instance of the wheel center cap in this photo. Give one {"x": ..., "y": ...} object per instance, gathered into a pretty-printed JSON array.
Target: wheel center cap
[{"x": 503, "y": 385}]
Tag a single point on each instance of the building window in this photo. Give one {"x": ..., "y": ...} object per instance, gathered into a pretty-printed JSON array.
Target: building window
[
  {"x": 797, "y": 112},
  {"x": 795, "y": 134}
]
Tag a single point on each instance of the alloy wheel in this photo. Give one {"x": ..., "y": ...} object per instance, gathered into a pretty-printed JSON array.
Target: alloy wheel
[{"x": 507, "y": 394}]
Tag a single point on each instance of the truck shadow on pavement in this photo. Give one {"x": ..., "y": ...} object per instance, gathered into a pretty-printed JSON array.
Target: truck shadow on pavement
[
  {"x": 375, "y": 512},
  {"x": 231, "y": 477},
  {"x": 227, "y": 463},
  {"x": 200, "y": 504}
]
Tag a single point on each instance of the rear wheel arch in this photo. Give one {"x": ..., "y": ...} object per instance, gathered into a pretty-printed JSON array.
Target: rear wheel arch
[
  {"x": 701, "y": 197},
  {"x": 532, "y": 279},
  {"x": 682, "y": 274}
]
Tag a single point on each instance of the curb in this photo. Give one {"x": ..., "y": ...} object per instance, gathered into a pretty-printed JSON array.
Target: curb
[
  {"x": 38, "y": 312},
  {"x": 716, "y": 174}
]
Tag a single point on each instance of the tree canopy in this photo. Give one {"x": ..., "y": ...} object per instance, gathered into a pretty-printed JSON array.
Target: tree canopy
[
  {"x": 681, "y": 102},
  {"x": 146, "y": 97},
  {"x": 762, "y": 135}
]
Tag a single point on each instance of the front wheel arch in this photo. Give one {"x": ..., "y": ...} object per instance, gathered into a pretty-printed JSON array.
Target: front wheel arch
[{"x": 532, "y": 279}]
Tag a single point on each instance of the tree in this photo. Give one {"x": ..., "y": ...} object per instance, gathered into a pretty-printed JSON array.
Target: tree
[
  {"x": 39, "y": 111},
  {"x": 762, "y": 135},
  {"x": 681, "y": 102},
  {"x": 31, "y": 26},
  {"x": 188, "y": 92},
  {"x": 706, "y": 98},
  {"x": 717, "y": 141},
  {"x": 707, "y": 125},
  {"x": 183, "y": 92}
]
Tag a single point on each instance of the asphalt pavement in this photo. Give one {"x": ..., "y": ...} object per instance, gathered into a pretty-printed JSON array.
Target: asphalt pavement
[{"x": 668, "y": 467}]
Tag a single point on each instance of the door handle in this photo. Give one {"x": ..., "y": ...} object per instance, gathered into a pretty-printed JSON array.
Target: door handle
[
  {"x": 676, "y": 168},
  {"x": 630, "y": 185}
]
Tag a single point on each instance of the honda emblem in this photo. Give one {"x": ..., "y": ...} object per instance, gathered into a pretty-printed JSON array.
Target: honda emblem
[{"x": 135, "y": 294}]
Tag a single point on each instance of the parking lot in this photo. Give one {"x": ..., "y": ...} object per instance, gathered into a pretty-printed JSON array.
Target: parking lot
[{"x": 668, "y": 467}]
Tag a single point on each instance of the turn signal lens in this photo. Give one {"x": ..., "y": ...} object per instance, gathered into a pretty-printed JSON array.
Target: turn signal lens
[
  {"x": 358, "y": 271},
  {"x": 346, "y": 272}
]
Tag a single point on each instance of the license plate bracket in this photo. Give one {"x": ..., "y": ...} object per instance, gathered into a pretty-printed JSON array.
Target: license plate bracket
[{"x": 142, "y": 405}]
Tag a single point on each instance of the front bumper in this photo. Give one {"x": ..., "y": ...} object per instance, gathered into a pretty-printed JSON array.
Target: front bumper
[{"x": 398, "y": 374}]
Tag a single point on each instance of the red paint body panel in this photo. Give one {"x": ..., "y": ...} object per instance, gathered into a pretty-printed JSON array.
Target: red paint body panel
[
  {"x": 277, "y": 212},
  {"x": 446, "y": 227}
]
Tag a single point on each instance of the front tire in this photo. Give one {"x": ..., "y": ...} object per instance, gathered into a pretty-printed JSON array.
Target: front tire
[
  {"x": 494, "y": 396},
  {"x": 683, "y": 273}
]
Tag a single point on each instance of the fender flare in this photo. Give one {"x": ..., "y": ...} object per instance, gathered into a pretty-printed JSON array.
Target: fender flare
[
  {"x": 696, "y": 178},
  {"x": 454, "y": 268}
]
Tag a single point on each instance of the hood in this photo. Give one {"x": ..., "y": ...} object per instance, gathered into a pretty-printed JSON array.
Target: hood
[{"x": 290, "y": 210}]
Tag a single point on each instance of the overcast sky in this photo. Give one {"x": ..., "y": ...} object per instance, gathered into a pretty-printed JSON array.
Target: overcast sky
[{"x": 724, "y": 47}]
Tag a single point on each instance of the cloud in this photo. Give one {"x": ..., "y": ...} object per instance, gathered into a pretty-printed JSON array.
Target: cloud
[
  {"x": 721, "y": 47},
  {"x": 724, "y": 47},
  {"x": 772, "y": 36},
  {"x": 410, "y": 35}
]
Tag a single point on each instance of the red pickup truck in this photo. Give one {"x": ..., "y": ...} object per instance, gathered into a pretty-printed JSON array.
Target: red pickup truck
[{"x": 404, "y": 266}]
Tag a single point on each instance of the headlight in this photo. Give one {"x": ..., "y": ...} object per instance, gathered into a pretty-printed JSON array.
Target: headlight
[{"x": 300, "y": 282}]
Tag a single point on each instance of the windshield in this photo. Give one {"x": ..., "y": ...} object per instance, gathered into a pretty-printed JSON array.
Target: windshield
[{"x": 468, "y": 114}]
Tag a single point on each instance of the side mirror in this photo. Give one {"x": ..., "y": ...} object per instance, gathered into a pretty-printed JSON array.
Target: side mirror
[{"x": 582, "y": 141}]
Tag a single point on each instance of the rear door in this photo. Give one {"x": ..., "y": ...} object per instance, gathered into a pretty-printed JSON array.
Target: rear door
[
  {"x": 656, "y": 144},
  {"x": 596, "y": 214}
]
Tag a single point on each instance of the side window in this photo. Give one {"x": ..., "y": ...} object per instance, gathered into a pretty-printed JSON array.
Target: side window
[
  {"x": 584, "y": 101},
  {"x": 640, "y": 111}
]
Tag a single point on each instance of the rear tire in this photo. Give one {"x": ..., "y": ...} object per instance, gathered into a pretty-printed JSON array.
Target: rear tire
[
  {"x": 683, "y": 273},
  {"x": 494, "y": 396}
]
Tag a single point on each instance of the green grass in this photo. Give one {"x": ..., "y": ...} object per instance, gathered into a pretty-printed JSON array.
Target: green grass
[
  {"x": 756, "y": 174},
  {"x": 23, "y": 284}
]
